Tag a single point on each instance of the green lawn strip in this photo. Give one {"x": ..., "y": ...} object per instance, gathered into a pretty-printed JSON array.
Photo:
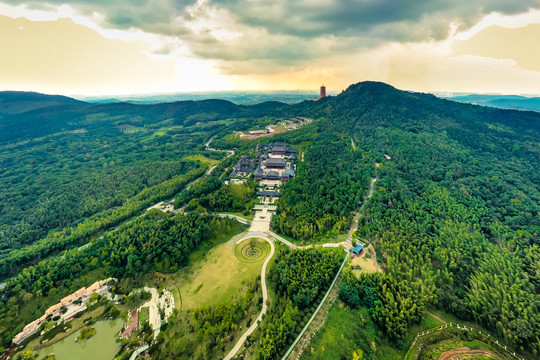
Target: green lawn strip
[
  {"x": 203, "y": 159},
  {"x": 319, "y": 240},
  {"x": 239, "y": 214},
  {"x": 348, "y": 330},
  {"x": 287, "y": 237}
]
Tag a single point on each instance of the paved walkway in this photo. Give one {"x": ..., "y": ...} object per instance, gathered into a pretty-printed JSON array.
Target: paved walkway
[
  {"x": 138, "y": 352},
  {"x": 275, "y": 236},
  {"x": 207, "y": 145},
  {"x": 261, "y": 220},
  {"x": 268, "y": 207},
  {"x": 238, "y": 218},
  {"x": 255, "y": 323}
]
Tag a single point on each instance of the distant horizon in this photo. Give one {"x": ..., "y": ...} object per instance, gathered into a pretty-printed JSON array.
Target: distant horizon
[{"x": 438, "y": 93}]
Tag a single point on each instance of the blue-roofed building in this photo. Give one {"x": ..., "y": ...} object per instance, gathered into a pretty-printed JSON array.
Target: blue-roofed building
[{"x": 357, "y": 249}]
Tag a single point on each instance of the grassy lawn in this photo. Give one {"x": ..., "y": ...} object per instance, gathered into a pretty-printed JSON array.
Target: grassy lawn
[
  {"x": 198, "y": 256},
  {"x": 347, "y": 330},
  {"x": 202, "y": 159},
  {"x": 286, "y": 237},
  {"x": 215, "y": 279},
  {"x": 216, "y": 239},
  {"x": 329, "y": 237}
]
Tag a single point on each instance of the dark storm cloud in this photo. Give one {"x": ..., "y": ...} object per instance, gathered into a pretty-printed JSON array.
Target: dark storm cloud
[
  {"x": 344, "y": 17},
  {"x": 285, "y": 32}
]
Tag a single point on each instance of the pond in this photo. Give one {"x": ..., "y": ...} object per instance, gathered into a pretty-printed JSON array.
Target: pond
[{"x": 102, "y": 345}]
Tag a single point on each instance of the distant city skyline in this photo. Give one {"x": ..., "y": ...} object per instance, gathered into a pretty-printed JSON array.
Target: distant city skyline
[{"x": 97, "y": 48}]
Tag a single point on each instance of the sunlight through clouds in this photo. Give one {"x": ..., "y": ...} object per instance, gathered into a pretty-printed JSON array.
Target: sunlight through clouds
[{"x": 190, "y": 45}]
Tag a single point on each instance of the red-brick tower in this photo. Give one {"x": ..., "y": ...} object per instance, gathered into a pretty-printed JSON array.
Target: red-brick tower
[{"x": 323, "y": 92}]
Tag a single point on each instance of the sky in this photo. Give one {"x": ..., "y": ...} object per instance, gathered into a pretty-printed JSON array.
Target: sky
[{"x": 107, "y": 47}]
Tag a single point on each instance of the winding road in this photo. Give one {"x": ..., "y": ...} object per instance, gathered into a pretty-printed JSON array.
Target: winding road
[
  {"x": 207, "y": 145},
  {"x": 254, "y": 325},
  {"x": 271, "y": 237}
]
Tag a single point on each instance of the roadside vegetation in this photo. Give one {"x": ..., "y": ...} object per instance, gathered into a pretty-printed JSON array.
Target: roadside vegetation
[{"x": 299, "y": 279}]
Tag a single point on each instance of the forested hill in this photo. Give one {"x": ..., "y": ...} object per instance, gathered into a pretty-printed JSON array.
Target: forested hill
[
  {"x": 64, "y": 162},
  {"x": 375, "y": 104},
  {"x": 70, "y": 115},
  {"x": 454, "y": 218},
  {"x": 455, "y": 215},
  {"x": 16, "y": 102}
]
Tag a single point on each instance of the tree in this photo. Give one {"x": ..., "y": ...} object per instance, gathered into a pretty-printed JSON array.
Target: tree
[{"x": 252, "y": 244}]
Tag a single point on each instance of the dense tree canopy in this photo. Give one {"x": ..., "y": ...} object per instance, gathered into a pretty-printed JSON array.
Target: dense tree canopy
[
  {"x": 456, "y": 212},
  {"x": 300, "y": 278}
]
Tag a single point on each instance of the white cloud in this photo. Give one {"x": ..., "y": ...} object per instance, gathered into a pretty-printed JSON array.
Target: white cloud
[{"x": 301, "y": 43}]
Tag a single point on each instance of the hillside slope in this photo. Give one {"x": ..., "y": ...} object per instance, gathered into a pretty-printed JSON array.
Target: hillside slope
[
  {"x": 456, "y": 213},
  {"x": 16, "y": 102}
]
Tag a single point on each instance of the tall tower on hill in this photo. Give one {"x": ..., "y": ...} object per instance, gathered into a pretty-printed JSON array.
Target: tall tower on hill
[{"x": 323, "y": 92}]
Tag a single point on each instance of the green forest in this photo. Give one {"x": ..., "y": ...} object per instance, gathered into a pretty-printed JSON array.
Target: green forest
[
  {"x": 454, "y": 219},
  {"x": 455, "y": 215},
  {"x": 328, "y": 188},
  {"x": 299, "y": 278}
]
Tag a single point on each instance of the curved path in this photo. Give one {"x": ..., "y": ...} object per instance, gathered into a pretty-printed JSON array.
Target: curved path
[
  {"x": 255, "y": 323},
  {"x": 271, "y": 237},
  {"x": 207, "y": 146}
]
